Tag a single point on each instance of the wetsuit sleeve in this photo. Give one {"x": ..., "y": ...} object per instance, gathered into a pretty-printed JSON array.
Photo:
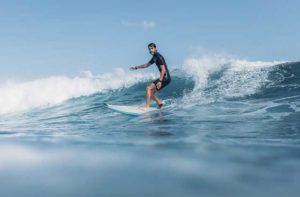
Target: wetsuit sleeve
[{"x": 152, "y": 61}]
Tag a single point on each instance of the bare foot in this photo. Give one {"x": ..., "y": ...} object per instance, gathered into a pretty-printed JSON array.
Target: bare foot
[
  {"x": 160, "y": 106},
  {"x": 145, "y": 108}
]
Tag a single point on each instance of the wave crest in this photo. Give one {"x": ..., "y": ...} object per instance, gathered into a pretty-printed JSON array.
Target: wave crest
[
  {"x": 219, "y": 76},
  {"x": 20, "y": 96}
]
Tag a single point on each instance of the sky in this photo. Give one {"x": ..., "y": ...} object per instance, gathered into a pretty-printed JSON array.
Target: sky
[{"x": 64, "y": 37}]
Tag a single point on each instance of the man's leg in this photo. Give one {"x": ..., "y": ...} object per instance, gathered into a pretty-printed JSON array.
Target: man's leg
[
  {"x": 149, "y": 91},
  {"x": 155, "y": 98}
]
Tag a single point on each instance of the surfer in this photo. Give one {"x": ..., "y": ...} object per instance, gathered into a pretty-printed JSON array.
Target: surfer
[{"x": 159, "y": 83}]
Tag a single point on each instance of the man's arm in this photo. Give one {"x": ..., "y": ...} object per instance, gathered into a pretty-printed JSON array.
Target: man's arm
[
  {"x": 141, "y": 66},
  {"x": 162, "y": 72}
]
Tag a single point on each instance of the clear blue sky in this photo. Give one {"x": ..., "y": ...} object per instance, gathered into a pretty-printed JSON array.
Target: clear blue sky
[{"x": 63, "y": 37}]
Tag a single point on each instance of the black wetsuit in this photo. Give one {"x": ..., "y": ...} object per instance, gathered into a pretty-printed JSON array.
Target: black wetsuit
[{"x": 159, "y": 60}]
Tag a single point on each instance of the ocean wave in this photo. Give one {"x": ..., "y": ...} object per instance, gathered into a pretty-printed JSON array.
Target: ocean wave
[
  {"x": 204, "y": 79},
  {"x": 219, "y": 77},
  {"x": 21, "y": 96}
]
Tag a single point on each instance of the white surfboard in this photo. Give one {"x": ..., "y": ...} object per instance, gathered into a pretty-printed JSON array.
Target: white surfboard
[{"x": 130, "y": 110}]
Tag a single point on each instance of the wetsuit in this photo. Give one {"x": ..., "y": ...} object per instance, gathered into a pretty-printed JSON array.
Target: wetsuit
[{"x": 159, "y": 60}]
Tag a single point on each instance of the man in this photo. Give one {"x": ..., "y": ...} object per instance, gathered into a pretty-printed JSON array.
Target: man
[{"x": 161, "y": 82}]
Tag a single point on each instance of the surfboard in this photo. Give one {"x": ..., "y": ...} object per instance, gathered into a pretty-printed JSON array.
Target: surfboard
[{"x": 130, "y": 110}]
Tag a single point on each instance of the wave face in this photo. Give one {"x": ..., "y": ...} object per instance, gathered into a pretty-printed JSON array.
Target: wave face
[
  {"x": 219, "y": 111},
  {"x": 270, "y": 88},
  {"x": 203, "y": 80}
]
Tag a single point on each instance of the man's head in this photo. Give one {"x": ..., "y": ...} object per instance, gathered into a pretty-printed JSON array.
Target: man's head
[{"x": 152, "y": 48}]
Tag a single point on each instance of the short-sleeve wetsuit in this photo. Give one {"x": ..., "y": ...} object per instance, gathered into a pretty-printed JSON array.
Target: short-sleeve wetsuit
[{"x": 159, "y": 60}]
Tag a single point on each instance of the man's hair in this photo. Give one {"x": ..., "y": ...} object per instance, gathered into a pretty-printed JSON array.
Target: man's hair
[{"x": 152, "y": 45}]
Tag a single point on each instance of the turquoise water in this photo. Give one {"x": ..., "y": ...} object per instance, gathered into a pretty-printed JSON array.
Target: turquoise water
[{"x": 228, "y": 129}]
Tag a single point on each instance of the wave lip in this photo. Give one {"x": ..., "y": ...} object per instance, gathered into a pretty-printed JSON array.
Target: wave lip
[{"x": 219, "y": 77}]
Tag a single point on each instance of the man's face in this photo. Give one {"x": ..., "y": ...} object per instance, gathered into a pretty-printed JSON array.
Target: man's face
[{"x": 152, "y": 50}]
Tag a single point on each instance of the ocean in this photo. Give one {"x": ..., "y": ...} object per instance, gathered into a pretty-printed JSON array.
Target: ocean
[{"x": 230, "y": 127}]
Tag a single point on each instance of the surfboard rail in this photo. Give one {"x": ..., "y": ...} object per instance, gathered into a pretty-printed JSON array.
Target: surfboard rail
[{"x": 130, "y": 110}]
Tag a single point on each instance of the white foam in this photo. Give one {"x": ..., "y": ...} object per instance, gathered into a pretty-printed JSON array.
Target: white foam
[
  {"x": 20, "y": 96},
  {"x": 239, "y": 77}
]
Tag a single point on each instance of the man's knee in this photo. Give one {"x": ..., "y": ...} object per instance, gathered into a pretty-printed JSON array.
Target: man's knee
[{"x": 149, "y": 89}]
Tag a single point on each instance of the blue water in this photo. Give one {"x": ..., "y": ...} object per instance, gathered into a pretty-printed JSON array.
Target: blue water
[{"x": 226, "y": 130}]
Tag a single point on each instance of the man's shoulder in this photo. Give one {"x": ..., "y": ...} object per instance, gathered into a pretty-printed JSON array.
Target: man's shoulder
[{"x": 158, "y": 54}]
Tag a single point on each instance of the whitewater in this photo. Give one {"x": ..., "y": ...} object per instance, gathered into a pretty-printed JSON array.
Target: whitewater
[{"x": 228, "y": 123}]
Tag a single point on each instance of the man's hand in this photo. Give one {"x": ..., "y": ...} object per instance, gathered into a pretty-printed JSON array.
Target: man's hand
[
  {"x": 158, "y": 85},
  {"x": 133, "y": 68},
  {"x": 140, "y": 67}
]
